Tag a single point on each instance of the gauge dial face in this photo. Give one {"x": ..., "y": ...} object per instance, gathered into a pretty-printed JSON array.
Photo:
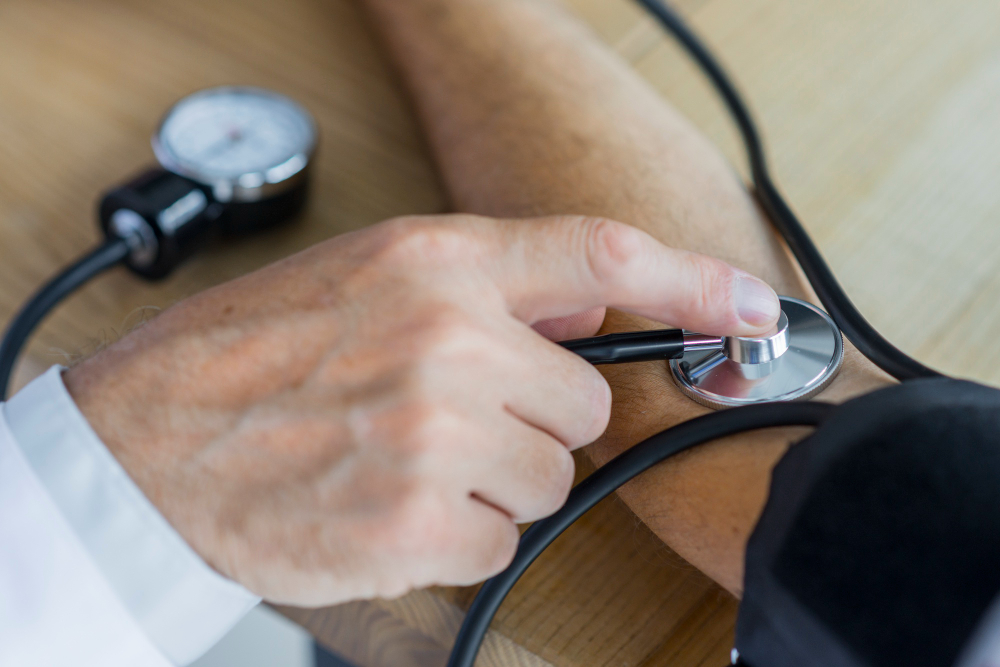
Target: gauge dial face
[{"x": 240, "y": 138}]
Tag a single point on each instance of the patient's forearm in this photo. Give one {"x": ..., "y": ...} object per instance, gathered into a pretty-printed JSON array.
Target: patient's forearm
[{"x": 529, "y": 115}]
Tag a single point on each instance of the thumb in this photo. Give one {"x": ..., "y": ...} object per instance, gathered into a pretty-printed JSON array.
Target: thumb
[{"x": 555, "y": 267}]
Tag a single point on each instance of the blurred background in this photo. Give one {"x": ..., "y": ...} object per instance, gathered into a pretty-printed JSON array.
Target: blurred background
[{"x": 882, "y": 118}]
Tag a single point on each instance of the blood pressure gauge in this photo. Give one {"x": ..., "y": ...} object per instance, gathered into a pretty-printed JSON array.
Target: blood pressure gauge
[{"x": 232, "y": 160}]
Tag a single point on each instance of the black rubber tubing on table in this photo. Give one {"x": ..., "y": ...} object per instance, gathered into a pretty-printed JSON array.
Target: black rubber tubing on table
[{"x": 48, "y": 297}]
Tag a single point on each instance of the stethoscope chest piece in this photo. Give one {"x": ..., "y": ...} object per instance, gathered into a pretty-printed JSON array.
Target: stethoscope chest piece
[{"x": 795, "y": 362}]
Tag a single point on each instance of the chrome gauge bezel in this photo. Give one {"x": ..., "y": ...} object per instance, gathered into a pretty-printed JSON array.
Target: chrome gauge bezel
[{"x": 250, "y": 186}]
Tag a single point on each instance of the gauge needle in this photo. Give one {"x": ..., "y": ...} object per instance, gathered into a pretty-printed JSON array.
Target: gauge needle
[{"x": 232, "y": 137}]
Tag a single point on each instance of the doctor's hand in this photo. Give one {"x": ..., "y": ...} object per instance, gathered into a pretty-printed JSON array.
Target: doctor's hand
[{"x": 376, "y": 413}]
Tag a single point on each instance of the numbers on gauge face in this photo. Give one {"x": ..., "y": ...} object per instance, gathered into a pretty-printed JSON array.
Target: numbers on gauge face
[{"x": 236, "y": 134}]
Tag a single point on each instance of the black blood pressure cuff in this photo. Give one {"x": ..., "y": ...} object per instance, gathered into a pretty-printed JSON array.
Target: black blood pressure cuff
[{"x": 880, "y": 542}]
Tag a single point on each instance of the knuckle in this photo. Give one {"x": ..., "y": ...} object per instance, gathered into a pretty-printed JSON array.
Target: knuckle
[
  {"x": 501, "y": 546},
  {"x": 450, "y": 348},
  {"x": 560, "y": 474},
  {"x": 599, "y": 410},
  {"x": 610, "y": 247},
  {"x": 591, "y": 400},
  {"x": 425, "y": 427},
  {"x": 443, "y": 331},
  {"x": 426, "y": 240}
]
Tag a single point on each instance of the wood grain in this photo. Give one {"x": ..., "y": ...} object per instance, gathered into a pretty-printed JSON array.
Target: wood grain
[{"x": 884, "y": 124}]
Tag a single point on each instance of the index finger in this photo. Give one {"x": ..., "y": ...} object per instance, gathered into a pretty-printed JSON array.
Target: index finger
[{"x": 554, "y": 267}]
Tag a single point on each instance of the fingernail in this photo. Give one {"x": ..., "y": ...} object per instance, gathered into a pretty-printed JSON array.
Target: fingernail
[{"x": 756, "y": 302}]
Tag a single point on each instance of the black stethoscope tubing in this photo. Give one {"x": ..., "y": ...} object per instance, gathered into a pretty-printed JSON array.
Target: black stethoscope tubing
[
  {"x": 653, "y": 450},
  {"x": 605, "y": 481},
  {"x": 102, "y": 258},
  {"x": 666, "y": 444}
]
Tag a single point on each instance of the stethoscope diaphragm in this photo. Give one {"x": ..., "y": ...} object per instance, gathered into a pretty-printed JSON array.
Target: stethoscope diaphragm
[{"x": 795, "y": 362}]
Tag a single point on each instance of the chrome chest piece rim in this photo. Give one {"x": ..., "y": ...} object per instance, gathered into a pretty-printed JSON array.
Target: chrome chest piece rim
[{"x": 795, "y": 362}]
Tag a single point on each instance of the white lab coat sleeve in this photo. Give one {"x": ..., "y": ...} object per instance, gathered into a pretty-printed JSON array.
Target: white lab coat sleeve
[
  {"x": 983, "y": 648},
  {"x": 91, "y": 574}
]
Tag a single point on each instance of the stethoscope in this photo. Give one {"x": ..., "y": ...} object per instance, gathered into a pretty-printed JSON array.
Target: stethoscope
[
  {"x": 235, "y": 160},
  {"x": 721, "y": 374},
  {"x": 798, "y": 359}
]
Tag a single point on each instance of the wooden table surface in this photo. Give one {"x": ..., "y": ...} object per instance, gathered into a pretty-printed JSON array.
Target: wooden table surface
[{"x": 883, "y": 119}]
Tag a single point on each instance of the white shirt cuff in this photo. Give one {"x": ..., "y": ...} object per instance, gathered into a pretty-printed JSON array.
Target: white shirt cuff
[
  {"x": 182, "y": 604},
  {"x": 55, "y": 606}
]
